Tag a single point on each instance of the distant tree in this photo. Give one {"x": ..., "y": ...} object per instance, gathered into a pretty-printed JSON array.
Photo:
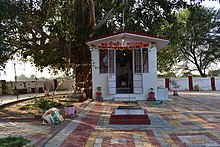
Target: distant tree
[
  {"x": 42, "y": 79},
  {"x": 32, "y": 77},
  {"x": 197, "y": 36},
  {"x": 22, "y": 78},
  {"x": 200, "y": 1},
  {"x": 214, "y": 72}
]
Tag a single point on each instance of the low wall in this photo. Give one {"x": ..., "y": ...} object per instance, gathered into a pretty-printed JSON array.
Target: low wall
[
  {"x": 209, "y": 83},
  {"x": 197, "y": 83},
  {"x": 24, "y": 87}
]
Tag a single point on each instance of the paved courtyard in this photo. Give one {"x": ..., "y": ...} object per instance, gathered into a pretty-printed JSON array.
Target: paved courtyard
[{"x": 190, "y": 119}]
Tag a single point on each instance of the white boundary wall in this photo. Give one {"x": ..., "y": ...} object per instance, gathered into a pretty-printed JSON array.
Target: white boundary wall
[
  {"x": 217, "y": 83},
  {"x": 203, "y": 83}
]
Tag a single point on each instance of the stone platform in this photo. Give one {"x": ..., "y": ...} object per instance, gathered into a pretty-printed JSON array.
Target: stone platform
[{"x": 129, "y": 115}]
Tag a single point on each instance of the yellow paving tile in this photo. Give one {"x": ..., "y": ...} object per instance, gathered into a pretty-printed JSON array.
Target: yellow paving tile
[
  {"x": 170, "y": 141},
  {"x": 199, "y": 142},
  {"x": 165, "y": 136},
  {"x": 174, "y": 145}
]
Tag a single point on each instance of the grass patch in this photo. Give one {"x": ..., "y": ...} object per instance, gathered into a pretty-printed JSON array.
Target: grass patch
[{"x": 12, "y": 141}]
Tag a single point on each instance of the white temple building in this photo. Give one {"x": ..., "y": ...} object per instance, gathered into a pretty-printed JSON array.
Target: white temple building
[{"x": 124, "y": 65}]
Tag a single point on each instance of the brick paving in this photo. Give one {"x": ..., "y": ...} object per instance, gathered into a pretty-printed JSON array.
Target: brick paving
[{"x": 190, "y": 119}]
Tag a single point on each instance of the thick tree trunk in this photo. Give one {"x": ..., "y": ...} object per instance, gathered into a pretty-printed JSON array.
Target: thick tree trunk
[{"x": 84, "y": 79}]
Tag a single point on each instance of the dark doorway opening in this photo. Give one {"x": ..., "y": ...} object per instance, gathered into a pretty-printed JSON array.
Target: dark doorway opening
[{"x": 124, "y": 71}]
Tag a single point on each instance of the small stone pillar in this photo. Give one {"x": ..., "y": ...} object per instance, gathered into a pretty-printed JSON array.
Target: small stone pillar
[
  {"x": 167, "y": 83},
  {"x": 213, "y": 83},
  {"x": 190, "y": 80}
]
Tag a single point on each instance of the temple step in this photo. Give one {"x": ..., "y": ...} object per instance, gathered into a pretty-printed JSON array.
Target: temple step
[
  {"x": 129, "y": 119},
  {"x": 125, "y": 99},
  {"x": 129, "y": 115}
]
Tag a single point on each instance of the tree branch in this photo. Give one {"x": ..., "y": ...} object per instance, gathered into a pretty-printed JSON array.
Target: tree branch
[
  {"x": 185, "y": 51},
  {"x": 44, "y": 35},
  {"x": 93, "y": 26},
  {"x": 92, "y": 16},
  {"x": 107, "y": 16}
]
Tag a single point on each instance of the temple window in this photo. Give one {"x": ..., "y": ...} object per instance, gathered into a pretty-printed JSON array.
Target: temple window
[{"x": 103, "y": 56}]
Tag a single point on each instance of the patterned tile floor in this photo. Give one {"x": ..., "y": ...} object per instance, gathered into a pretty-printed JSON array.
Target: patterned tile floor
[
  {"x": 191, "y": 119},
  {"x": 35, "y": 132}
]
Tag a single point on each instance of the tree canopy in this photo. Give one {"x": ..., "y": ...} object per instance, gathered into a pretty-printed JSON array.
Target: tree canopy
[
  {"x": 45, "y": 30},
  {"x": 54, "y": 33},
  {"x": 197, "y": 36}
]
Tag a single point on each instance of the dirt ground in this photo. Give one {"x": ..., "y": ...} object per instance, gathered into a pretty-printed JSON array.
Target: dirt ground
[{"x": 14, "y": 111}]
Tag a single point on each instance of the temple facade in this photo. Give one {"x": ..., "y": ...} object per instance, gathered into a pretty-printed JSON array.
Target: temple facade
[{"x": 124, "y": 65}]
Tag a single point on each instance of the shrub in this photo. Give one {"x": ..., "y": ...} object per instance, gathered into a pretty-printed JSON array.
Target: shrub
[
  {"x": 12, "y": 141},
  {"x": 45, "y": 103},
  {"x": 27, "y": 107}
]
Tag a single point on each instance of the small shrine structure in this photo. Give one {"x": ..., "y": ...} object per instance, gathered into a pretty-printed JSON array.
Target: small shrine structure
[{"x": 124, "y": 65}]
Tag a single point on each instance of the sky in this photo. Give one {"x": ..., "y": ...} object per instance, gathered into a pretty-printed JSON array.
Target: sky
[
  {"x": 22, "y": 69},
  {"x": 27, "y": 69},
  {"x": 210, "y": 3}
]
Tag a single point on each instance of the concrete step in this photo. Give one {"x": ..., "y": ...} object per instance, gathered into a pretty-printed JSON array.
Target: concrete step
[
  {"x": 125, "y": 99},
  {"x": 129, "y": 119}
]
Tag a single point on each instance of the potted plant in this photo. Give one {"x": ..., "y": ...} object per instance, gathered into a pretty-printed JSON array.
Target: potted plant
[
  {"x": 70, "y": 110},
  {"x": 175, "y": 87},
  {"x": 99, "y": 93},
  {"x": 151, "y": 95}
]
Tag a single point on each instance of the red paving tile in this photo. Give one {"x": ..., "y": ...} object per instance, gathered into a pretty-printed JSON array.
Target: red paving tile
[
  {"x": 152, "y": 138},
  {"x": 85, "y": 128},
  {"x": 183, "y": 124}
]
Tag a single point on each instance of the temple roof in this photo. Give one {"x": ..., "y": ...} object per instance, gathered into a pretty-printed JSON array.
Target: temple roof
[{"x": 127, "y": 40}]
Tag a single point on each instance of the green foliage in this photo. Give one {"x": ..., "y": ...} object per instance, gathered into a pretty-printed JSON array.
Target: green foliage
[
  {"x": 168, "y": 74},
  {"x": 44, "y": 30},
  {"x": 45, "y": 103},
  {"x": 54, "y": 33},
  {"x": 197, "y": 88},
  {"x": 214, "y": 72},
  {"x": 197, "y": 36},
  {"x": 42, "y": 103},
  {"x": 12, "y": 141},
  {"x": 174, "y": 84},
  {"x": 144, "y": 16},
  {"x": 167, "y": 57},
  {"x": 27, "y": 107}
]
